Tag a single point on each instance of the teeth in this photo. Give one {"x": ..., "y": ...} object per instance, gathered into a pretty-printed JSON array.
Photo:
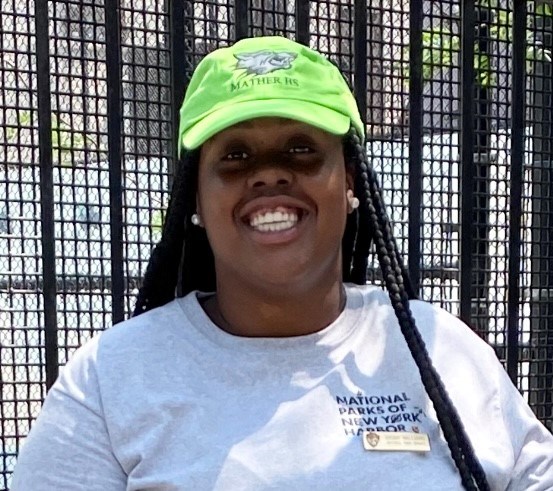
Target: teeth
[
  {"x": 275, "y": 227},
  {"x": 274, "y": 221}
]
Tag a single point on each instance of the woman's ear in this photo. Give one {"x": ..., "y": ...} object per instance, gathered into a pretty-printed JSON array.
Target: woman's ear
[
  {"x": 353, "y": 202},
  {"x": 198, "y": 206},
  {"x": 196, "y": 218},
  {"x": 349, "y": 179}
]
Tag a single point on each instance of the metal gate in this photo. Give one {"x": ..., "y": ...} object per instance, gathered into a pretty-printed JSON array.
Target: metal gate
[{"x": 457, "y": 101}]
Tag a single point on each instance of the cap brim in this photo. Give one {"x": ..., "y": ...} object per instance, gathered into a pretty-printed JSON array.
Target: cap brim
[{"x": 322, "y": 117}]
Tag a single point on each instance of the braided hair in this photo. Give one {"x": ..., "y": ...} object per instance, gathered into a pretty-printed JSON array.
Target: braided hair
[{"x": 183, "y": 261}]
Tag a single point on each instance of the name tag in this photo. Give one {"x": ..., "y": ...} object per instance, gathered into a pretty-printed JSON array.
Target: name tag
[{"x": 397, "y": 441}]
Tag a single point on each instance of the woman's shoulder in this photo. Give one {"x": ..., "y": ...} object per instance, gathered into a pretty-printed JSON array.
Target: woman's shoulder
[
  {"x": 136, "y": 336},
  {"x": 443, "y": 329},
  {"x": 440, "y": 329},
  {"x": 151, "y": 323}
]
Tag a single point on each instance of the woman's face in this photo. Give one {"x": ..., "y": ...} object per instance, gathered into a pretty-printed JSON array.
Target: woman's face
[{"x": 272, "y": 198}]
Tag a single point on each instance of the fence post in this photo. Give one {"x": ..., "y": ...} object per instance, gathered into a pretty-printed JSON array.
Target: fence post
[
  {"x": 46, "y": 192},
  {"x": 302, "y": 22},
  {"x": 466, "y": 140},
  {"x": 517, "y": 169},
  {"x": 113, "y": 69},
  {"x": 480, "y": 316},
  {"x": 241, "y": 19},
  {"x": 178, "y": 71},
  {"x": 360, "y": 56},
  {"x": 415, "y": 141},
  {"x": 541, "y": 324}
]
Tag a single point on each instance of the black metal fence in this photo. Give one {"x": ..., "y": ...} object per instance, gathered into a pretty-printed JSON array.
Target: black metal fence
[{"x": 457, "y": 99}]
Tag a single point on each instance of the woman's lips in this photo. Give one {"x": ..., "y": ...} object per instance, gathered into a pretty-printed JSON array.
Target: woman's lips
[{"x": 274, "y": 219}]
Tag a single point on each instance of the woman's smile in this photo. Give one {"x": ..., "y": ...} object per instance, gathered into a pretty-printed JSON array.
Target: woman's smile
[
  {"x": 274, "y": 220},
  {"x": 272, "y": 197}
]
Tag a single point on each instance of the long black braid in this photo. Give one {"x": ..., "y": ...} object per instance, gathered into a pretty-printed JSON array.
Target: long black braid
[
  {"x": 183, "y": 261},
  {"x": 398, "y": 286},
  {"x": 162, "y": 274}
]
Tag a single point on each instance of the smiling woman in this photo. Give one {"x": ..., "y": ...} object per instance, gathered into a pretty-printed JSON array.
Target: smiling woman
[
  {"x": 276, "y": 226},
  {"x": 258, "y": 358}
]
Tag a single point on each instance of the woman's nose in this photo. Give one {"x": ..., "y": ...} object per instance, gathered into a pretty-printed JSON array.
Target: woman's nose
[{"x": 270, "y": 176}]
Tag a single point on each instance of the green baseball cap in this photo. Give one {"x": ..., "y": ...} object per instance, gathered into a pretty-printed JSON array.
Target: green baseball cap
[{"x": 265, "y": 76}]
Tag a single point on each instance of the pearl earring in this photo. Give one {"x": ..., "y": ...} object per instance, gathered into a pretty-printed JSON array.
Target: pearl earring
[
  {"x": 354, "y": 203},
  {"x": 195, "y": 219},
  {"x": 352, "y": 200}
]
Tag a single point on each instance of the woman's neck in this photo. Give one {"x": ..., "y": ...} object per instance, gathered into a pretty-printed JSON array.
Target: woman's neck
[{"x": 254, "y": 313}]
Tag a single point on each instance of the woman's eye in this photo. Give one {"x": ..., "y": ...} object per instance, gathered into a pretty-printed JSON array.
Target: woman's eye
[
  {"x": 238, "y": 155},
  {"x": 300, "y": 149}
]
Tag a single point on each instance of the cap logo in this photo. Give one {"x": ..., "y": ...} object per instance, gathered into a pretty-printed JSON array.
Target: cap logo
[{"x": 263, "y": 62}]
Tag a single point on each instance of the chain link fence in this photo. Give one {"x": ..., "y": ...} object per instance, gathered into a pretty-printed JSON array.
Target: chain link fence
[{"x": 457, "y": 100}]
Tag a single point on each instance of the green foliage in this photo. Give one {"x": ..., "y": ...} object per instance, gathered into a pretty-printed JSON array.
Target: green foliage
[
  {"x": 156, "y": 221},
  {"x": 544, "y": 10},
  {"x": 485, "y": 77},
  {"x": 438, "y": 50},
  {"x": 64, "y": 139},
  {"x": 502, "y": 26},
  {"x": 23, "y": 120},
  {"x": 441, "y": 48}
]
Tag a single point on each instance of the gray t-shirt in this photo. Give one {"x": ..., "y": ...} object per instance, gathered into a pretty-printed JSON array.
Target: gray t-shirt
[{"x": 168, "y": 401}]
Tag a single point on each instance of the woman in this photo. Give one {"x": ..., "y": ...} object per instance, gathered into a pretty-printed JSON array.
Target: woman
[{"x": 279, "y": 368}]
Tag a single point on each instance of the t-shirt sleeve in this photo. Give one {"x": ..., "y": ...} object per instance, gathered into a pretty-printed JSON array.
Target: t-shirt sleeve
[
  {"x": 532, "y": 443},
  {"x": 525, "y": 443},
  {"x": 68, "y": 447}
]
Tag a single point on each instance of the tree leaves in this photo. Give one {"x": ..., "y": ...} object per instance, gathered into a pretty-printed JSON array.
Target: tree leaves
[
  {"x": 441, "y": 48},
  {"x": 65, "y": 140}
]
